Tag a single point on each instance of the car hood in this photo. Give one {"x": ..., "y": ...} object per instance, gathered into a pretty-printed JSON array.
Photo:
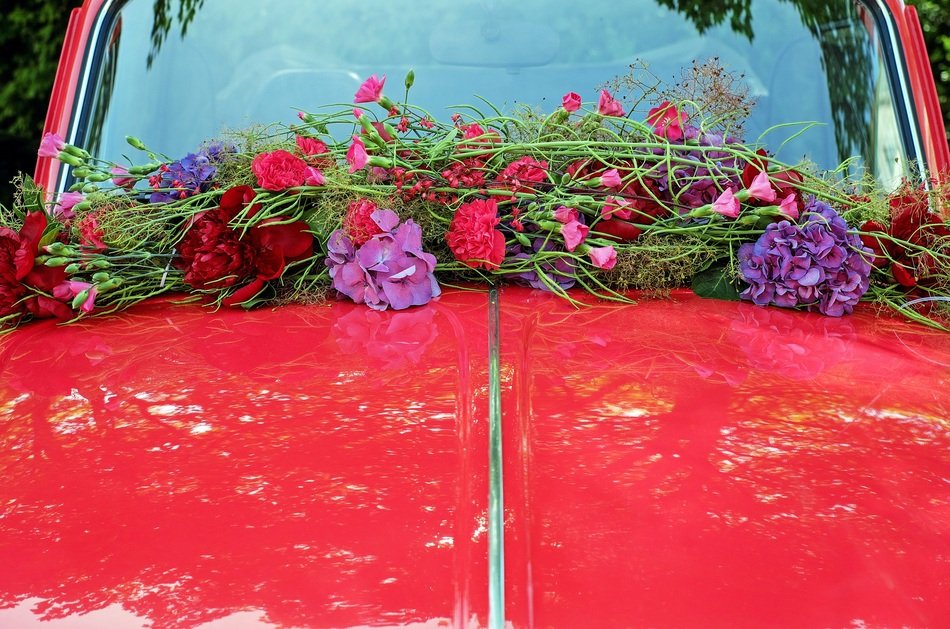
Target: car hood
[{"x": 329, "y": 465}]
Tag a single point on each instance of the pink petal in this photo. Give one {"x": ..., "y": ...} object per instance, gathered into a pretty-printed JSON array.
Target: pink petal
[
  {"x": 761, "y": 189},
  {"x": 51, "y": 145},
  {"x": 603, "y": 257},
  {"x": 370, "y": 91},
  {"x": 574, "y": 234},
  {"x": 571, "y": 101},
  {"x": 611, "y": 179},
  {"x": 789, "y": 207},
  {"x": 727, "y": 204},
  {"x": 566, "y": 214}
]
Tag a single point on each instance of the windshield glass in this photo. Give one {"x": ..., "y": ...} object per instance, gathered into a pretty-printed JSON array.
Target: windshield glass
[{"x": 178, "y": 72}]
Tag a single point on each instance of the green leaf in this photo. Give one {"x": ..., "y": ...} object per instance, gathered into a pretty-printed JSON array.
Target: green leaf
[
  {"x": 32, "y": 196},
  {"x": 713, "y": 283}
]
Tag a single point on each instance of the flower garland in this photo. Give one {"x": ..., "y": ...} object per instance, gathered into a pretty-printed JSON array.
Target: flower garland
[{"x": 584, "y": 197}]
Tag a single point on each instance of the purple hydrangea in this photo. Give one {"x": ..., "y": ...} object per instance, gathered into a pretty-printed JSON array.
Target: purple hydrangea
[
  {"x": 816, "y": 264},
  {"x": 390, "y": 270},
  {"x": 693, "y": 183},
  {"x": 188, "y": 176}
]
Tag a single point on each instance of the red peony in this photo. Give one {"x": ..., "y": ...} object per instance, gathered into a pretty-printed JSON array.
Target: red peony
[
  {"x": 18, "y": 273},
  {"x": 279, "y": 170},
  {"x": 212, "y": 254},
  {"x": 472, "y": 236}
]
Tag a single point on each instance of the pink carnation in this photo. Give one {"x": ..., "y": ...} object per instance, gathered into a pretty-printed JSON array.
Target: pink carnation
[
  {"x": 571, "y": 101},
  {"x": 727, "y": 204},
  {"x": 370, "y": 91},
  {"x": 356, "y": 155},
  {"x": 51, "y": 145},
  {"x": 311, "y": 146},
  {"x": 574, "y": 234},
  {"x": 609, "y": 106}
]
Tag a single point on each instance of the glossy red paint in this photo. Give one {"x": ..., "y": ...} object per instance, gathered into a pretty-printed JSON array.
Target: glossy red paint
[
  {"x": 694, "y": 463},
  {"x": 307, "y": 466}
]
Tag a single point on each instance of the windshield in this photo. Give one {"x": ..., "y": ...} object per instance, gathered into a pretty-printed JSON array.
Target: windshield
[{"x": 178, "y": 72}]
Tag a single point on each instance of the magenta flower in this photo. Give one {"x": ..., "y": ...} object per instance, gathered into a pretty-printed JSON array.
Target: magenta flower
[
  {"x": 51, "y": 145},
  {"x": 789, "y": 207},
  {"x": 616, "y": 207},
  {"x": 574, "y": 234},
  {"x": 314, "y": 177},
  {"x": 566, "y": 214},
  {"x": 71, "y": 289},
  {"x": 121, "y": 177},
  {"x": 603, "y": 257},
  {"x": 727, "y": 204},
  {"x": 611, "y": 179},
  {"x": 761, "y": 189},
  {"x": 356, "y": 155},
  {"x": 371, "y": 91},
  {"x": 64, "y": 209},
  {"x": 667, "y": 121},
  {"x": 609, "y": 106},
  {"x": 571, "y": 101}
]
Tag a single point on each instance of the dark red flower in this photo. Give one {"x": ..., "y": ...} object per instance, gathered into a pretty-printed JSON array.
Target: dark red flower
[
  {"x": 472, "y": 236},
  {"x": 19, "y": 273}
]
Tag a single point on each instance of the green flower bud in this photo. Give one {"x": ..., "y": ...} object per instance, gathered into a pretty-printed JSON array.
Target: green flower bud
[
  {"x": 75, "y": 151},
  {"x": 81, "y": 173},
  {"x": 410, "y": 79},
  {"x": 144, "y": 169},
  {"x": 70, "y": 159},
  {"x": 99, "y": 263},
  {"x": 82, "y": 206},
  {"x": 56, "y": 261},
  {"x": 115, "y": 282},
  {"x": 100, "y": 277},
  {"x": 523, "y": 239},
  {"x": 78, "y": 300},
  {"x": 73, "y": 268},
  {"x": 98, "y": 177},
  {"x": 89, "y": 188},
  {"x": 136, "y": 143},
  {"x": 76, "y": 187}
]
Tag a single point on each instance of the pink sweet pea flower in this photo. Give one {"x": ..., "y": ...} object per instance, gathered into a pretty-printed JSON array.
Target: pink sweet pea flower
[
  {"x": 64, "y": 209},
  {"x": 371, "y": 91},
  {"x": 611, "y": 179},
  {"x": 609, "y": 106},
  {"x": 51, "y": 145},
  {"x": 727, "y": 204},
  {"x": 789, "y": 207},
  {"x": 314, "y": 177},
  {"x": 356, "y": 155},
  {"x": 574, "y": 234},
  {"x": 571, "y": 101},
  {"x": 603, "y": 257},
  {"x": 69, "y": 289},
  {"x": 566, "y": 214},
  {"x": 761, "y": 189},
  {"x": 667, "y": 121},
  {"x": 616, "y": 207},
  {"x": 121, "y": 178}
]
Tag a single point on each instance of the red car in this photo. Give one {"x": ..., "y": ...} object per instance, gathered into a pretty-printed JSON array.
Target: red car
[{"x": 497, "y": 457}]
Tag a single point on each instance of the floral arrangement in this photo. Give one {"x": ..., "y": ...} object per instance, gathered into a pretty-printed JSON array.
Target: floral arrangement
[{"x": 380, "y": 203}]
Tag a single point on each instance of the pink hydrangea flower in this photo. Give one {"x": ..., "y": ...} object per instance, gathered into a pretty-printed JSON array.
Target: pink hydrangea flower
[
  {"x": 571, "y": 101},
  {"x": 574, "y": 234},
  {"x": 356, "y": 155},
  {"x": 727, "y": 204},
  {"x": 762, "y": 189},
  {"x": 371, "y": 91},
  {"x": 609, "y": 106},
  {"x": 603, "y": 257}
]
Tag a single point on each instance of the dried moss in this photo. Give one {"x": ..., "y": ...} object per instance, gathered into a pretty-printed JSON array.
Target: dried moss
[{"x": 660, "y": 263}]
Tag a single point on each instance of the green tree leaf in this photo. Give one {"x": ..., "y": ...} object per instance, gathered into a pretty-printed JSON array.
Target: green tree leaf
[{"x": 713, "y": 283}]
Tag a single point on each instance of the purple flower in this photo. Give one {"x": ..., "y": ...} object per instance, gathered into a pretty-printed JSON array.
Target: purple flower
[
  {"x": 390, "y": 270},
  {"x": 190, "y": 175},
  {"x": 816, "y": 264},
  {"x": 549, "y": 267}
]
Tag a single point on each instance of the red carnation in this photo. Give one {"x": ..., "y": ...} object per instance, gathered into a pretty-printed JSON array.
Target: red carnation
[
  {"x": 279, "y": 170},
  {"x": 18, "y": 273},
  {"x": 472, "y": 236},
  {"x": 525, "y": 170},
  {"x": 358, "y": 222},
  {"x": 212, "y": 254}
]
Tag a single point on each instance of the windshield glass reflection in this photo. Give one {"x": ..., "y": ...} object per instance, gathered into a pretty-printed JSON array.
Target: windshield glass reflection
[{"x": 176, "y": 72}]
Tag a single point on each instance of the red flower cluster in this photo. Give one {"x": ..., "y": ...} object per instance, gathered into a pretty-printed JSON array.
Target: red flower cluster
[
  {"x": 913, "y": 221},
  {"x": 472, "y": 236},
  {"x": 214, "y": 255},
  {"x": 519, "y": 175},
  {"x": 19, "y": 273},
  {"x": 279, "y": 170}
]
